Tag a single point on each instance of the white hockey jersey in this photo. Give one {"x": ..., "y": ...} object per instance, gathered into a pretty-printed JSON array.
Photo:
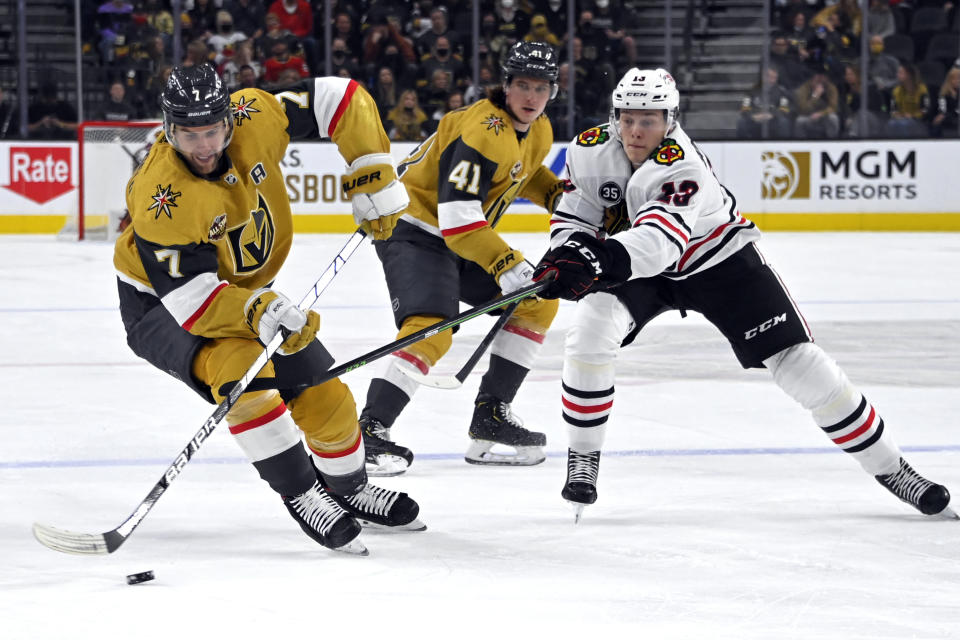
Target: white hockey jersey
[{"x": 681, "y": 219}]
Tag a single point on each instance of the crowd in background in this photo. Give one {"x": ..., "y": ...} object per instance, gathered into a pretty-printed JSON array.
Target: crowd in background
[
  {"x": 813, "y": 86},
  {"x": 413, "y": 56}
]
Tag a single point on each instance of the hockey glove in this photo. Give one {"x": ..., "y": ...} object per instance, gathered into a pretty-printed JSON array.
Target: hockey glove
[
  {"x": 516, "y": 277},
  {"x": 376, "y": 195},
  {"x": 579, "y": 263},
  {"x": 269, "y": 312}
]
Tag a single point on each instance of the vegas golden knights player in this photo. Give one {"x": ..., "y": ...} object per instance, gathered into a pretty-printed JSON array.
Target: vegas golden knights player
[
  {"x": 211, "y": 227},
  {"x": 445, "y": 249}
]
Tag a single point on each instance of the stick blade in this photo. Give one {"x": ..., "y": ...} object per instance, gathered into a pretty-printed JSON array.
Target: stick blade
[
  {"x": 437, "y": 381},
  {"x": 84, "y": 544}
]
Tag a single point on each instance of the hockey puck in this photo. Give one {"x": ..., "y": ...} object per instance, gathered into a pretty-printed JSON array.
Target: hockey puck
[{"x": 137, "y": 578}]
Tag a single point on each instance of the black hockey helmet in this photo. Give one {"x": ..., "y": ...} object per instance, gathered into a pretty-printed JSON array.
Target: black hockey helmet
[
  {"x": 195, "y": 97},
  {"x": 534, "y": 60}
]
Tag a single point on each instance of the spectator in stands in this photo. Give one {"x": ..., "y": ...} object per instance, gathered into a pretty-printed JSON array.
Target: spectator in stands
[
  {"x": 943, "y": 122},
  {"x": 203, "y": 19},
  {"x": 385, "y": 91},
  {"x": 113, "y": 18},
  {"x": 280, "y": 60},
  {"x": 439, "y": 28},
  {"x": 880, "y": 20},
  {"x": 150, "y": 106},
  {"x": 442, "y": 58},
  {"x": 558, "y": 109},
  {"x": 852, "y": 102},
  {"x": 540, "y": 31},
  {"x": 434, "y": 95},
  {"x": 248, "y": 16},
  {"x": 883, "y": 67},
  {"x": 612, "y": 23},
  {"x": 798, "y": 32},
  {"x": 592, "y": 87},
  {"x": 160, "y": 20},
  {"x": 776, "y": 111},
  {"x": 909, "y": 104},
  {"x": 117, "y": 109},
  {"x": 242, "y": 57},
  {"x": 248, "y": 78},
  {"x": 493, "y": 45},
  {"x": 49, "y": 117},
  {"x": 287, "y": 78},
  {"x": 344, "y": 27},
  {"x": 272, "y": 34},
  {"x": 343, "y": 64},
  {"x": 511, "y": 26},
  {"x": 848, "y": 14},
  {"x": 197, "y": 53},
  {"x": 474, "y": 92},
  {"x": 816, "y": 102},
  {"x": 454, "y": 101},
  {"x": 405, "y": 121},
  {"x": 296, "y": 16},
  {"x": 224, "y": 41},
  {"x": 555, "y": 11},
  {"x": 8, "y": 119},
  {"x": 792, "y": 72},
  {"x": 597, "y": 55},
  {"x": 382, "y": 34}
]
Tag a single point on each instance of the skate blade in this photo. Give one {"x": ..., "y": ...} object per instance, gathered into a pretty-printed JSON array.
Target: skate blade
[
  {"x": 577, "y": 510},
  {"x": 354, "y": 548},
  {"x": 414, "y": 525},
  {"x": 386, "y": 466},
  {"x": 947, "y": 514},
  {"x": 479, "y": 453}
]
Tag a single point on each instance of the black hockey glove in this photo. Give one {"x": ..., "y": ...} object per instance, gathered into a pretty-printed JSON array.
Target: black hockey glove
[{"x": 580, "y": 264}]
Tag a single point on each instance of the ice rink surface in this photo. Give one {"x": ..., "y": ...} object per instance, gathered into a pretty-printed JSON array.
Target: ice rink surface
[{"x": 723, "y": 511}]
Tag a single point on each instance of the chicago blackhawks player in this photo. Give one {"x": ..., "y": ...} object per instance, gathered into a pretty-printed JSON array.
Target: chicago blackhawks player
[
  {"x": 649, "y": 228},
  {"x": 445, "y": 249},
  {"x": 211, "y": 227}
]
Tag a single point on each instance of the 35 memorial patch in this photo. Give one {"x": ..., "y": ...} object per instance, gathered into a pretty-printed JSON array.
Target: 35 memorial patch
[
  {"x": 668, "y": 153},
  {"x": 593, "y": 136}
]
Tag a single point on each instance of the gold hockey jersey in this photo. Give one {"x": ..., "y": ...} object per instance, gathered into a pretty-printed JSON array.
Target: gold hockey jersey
[
  {"x": 203, "y": 244},
  {"x": 462, "y": 179}
]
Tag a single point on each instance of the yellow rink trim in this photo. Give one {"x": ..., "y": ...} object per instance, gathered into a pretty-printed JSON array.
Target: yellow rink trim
[{"x": 534, "y": 222}]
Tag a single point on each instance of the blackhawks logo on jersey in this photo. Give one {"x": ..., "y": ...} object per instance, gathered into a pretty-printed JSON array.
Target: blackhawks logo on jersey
[
  {"x": 242, "y": 110},
  {"x": 593, "y": 136},
  {"x": 163, "y": 199},
  {"x": 668, "y": 152},
  {"x": 495, "y": 122}
]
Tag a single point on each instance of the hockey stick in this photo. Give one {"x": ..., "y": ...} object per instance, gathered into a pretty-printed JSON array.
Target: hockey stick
[
  {"x": 456, "y": 381},
  {"x": 270, "y": 383},
  {"x": 110, "y": 541}
]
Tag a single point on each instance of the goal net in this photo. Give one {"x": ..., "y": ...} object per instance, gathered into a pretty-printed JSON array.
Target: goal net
[{"x": 109, "y": 153}]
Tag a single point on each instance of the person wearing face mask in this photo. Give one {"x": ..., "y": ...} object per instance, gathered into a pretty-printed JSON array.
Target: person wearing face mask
[
  {"x": 612, "y": 24},
  {"x": 296, "y": 16},
  {"x": 445, "y": 248},
  {"x": 555, "y": 11},
  {"x": 511, "y": 23},
  {"x": 883, "y": 66},
  {"x": 342, "y": 60},
  {"x": 439, "y": 28},
  {"x": 280, "y": 60},
  {"x": 540, "y": 32},
  {"x": 442, "y": 58},
  {"x": 648, "y": 229},
  {"x": 224, "y": 40}
]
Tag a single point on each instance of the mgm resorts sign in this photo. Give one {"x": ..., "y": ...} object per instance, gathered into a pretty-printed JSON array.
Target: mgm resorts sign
[{"x": 870, "y": 174}]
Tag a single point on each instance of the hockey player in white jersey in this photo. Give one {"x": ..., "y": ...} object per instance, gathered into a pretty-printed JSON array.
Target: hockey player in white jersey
[{"x": 646, "y": 228}]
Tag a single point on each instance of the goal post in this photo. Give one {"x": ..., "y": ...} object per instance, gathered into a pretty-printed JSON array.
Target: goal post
[{"x": 108, "y": 154}]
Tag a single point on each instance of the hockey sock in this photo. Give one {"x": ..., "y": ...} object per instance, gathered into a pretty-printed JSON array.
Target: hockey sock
[
  {"x": 814, "y": 380},
  {"x": 289, "y": 473},
  {"x": 385, "y": 400},
  {"x": 503, "y": 379}
]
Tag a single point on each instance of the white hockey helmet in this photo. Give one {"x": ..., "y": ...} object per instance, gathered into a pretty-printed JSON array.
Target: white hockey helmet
[{"x": 646, "y": 89}]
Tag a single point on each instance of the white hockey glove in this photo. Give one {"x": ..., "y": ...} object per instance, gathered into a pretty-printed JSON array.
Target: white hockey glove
[
  {"x": 376, "y": 195},
  {"x": 516, "y": 278},
  {"x": 269, "y": 312}
]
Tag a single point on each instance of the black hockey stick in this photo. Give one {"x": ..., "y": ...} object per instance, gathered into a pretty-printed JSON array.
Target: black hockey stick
[
  {"x": 270, "y": 383},
  {"x": 456, "y": 381},
  {"x": 110, "y": 541}
]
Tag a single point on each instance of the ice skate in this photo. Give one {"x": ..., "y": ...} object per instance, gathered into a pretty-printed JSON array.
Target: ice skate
[
  {"x": 493, "y": 423},
  {"x": 383, "y": 456},
  {"x": 381, "y": 508},
  {"x": 926, "y": 497},
  {"x": 581, "y": 487},
  {"x": 325, "y": 521}
]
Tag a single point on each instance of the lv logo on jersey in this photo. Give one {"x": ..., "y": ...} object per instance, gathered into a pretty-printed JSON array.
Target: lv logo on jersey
[{"x": 252, "y": 242}]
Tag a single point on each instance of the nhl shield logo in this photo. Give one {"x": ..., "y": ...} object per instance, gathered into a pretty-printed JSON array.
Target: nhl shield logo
[{"x": 515, "y": 170}]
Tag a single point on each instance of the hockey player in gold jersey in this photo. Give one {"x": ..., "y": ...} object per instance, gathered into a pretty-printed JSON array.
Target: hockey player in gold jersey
[
  {"x": 211, "y": 227},
  {"x": 444, "y": 249}
]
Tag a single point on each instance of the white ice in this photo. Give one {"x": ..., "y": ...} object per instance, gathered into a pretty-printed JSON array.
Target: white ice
[{"x": 723, "y": 511}]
